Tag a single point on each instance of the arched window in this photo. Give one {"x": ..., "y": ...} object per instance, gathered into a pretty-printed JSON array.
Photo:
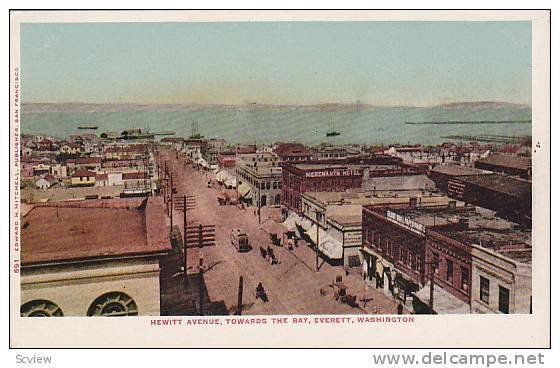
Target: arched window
[
  {"x": 114, "y": 304},
  {"x": 40, "y": 308}
]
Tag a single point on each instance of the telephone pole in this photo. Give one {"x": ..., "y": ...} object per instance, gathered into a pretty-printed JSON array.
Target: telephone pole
[
  {"x": 317, "y": 242},
  {"x": 240, "y": 296},
  {"x": 259, "y": 203},
  {"x": 185, "y": 204}
]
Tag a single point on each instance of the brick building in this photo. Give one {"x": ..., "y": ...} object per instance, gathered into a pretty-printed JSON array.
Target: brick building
[
  {"x": 441, "y": 174},
  {"x": 292, "y": 152},
  {"x": 511, "y": 198},
  {"x": 335, "y": 176},
  {"x": 485, "y": 262},
  {"x": 394, "y": 243}
]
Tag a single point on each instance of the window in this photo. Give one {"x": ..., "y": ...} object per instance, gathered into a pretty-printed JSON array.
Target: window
[
  {"x": 435, "y": 262},
  {"x": 114, "y": 304},
  {"x": 412, "y": 261},
  {"x": 402, "y": 256},
  {"x": 503, "y": 302},
  {"x": 484, "y": 290},
  {"x": 449, "y": 276},
  {"x": 40, "y": 308},
  {"x": 464, "y": 279}
]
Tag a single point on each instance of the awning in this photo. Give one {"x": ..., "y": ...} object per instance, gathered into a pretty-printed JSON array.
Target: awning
[
  {"x": 231, "y": 182},
  {"x": 244, "y": 189},
  {"x": 328, "y": 245},
  {"x": 221, "y": 176},
  {"x": 290, "y": 221},
  {"x": 312, "y": 233},
  {"x": 272, "y": 227},
  {"x": 444, "y": 302},
  {"x": 330, "y": 249}
]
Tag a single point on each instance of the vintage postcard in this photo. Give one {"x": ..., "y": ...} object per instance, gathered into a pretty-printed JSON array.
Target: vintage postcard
[{"x": 280, "y": 178}]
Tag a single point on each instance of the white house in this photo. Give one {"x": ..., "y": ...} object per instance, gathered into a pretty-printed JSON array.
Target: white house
[{"x": 46, "y": 182}]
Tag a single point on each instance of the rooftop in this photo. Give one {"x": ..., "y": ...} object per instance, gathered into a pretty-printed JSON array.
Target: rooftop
[
  {"x": 316, "y": 166},
  {"x": 83, "y": 173},
  {"x": 292, "y": 149},
  {"x": 378, "y": 197},
  {"x": 79, "y": 230},
  {"x": 84, "y": 160},
  {"x": 456, "y": 170},
  {"x": 475, "y": 226},
  {"x": 500, "y": 183},
  {"x": 406, "y": 182},
  {"x": 516, "y": 162}
]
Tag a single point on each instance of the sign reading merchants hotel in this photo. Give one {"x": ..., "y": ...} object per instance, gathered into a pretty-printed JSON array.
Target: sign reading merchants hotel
[{"x": 333, "y": 172}]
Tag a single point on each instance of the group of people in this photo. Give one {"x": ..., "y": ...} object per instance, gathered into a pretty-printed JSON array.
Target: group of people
[{"x": 269, "y": 255}]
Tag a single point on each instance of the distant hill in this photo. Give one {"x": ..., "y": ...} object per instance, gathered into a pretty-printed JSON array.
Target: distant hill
[
  {"x": 483, "y": 104},
  {"x": 93, "y": 107}
]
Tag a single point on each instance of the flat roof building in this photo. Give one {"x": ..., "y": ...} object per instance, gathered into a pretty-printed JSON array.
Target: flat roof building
[
  {"x": 510, "y": 197},
  {"x": 93, "y": 257},
  {"x": 505, "y": 164},
  {"x": 335, "y": 176}
]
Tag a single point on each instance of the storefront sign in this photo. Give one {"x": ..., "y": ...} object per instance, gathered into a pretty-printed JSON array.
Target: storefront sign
[
  {"x": 407, "y": 223},
  {"x": 353, "y": 238}
]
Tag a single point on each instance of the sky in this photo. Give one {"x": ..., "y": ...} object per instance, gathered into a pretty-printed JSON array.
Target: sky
[{"x": 380, "y": 63}]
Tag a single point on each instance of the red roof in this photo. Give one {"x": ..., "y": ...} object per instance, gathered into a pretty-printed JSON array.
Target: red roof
[
  {"x": 246, "y": 149},
  {"x": 101, "y": 176},
  {"x": 51, "y": 179},
  {"x": 291, "y": 149},
  {"x": 80, "y": 230},
  {"x": 83, "y": 173},
  {"x": 84, "y": 160},
  {"x": 134, "y": 175}
]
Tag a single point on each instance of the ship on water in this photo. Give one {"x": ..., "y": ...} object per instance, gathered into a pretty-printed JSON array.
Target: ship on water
[
  {"x": 136, "y": 133},
  {"x": 332, "y": 132},
  {"x": 88, "y": 127}
]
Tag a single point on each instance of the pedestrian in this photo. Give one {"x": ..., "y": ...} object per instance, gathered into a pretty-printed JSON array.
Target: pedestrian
[{"x": 400, "y": 309}]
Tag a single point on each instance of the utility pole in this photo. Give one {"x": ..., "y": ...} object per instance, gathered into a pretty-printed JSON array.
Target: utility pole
[
  {"x": 240, "y": 296},
  {"x": 200, "y": 290},
  {"x": 185, "y": 235},
  {"x": 171, "y": 202},
  {"x": 200, "y": 236},
  {"x": 259, "y": 203},
  {"x": 185, "y": 203},
  {"x": 317, "y": 243}
]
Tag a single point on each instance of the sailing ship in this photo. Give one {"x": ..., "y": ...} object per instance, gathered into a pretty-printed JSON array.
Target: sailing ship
[{"x": 332, "y": 132}]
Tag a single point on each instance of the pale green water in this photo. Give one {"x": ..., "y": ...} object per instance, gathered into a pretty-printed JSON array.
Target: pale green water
[{"x": 302, "y": 124}]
